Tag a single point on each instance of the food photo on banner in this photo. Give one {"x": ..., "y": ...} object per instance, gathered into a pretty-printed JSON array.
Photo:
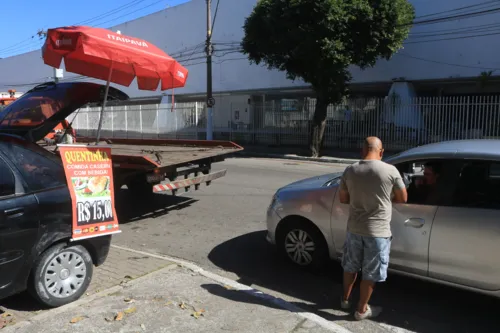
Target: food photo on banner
[{"x": 89, "y": 173}]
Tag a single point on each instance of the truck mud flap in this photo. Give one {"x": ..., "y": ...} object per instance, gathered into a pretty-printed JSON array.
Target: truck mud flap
[{"x": 185, "y": 183}]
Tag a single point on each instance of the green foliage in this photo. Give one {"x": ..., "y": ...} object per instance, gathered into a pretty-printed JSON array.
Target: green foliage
[{"x": 317, "y": 40}]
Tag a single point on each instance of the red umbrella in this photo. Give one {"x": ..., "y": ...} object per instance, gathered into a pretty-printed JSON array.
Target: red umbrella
[{"x": 105, "y": 55}]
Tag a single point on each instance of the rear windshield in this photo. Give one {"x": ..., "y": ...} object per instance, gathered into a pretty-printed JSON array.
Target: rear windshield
[{"x": 33, "y": 109}]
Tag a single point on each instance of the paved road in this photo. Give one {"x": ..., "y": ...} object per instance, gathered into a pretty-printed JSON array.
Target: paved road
[{"x": 221, "y": 227}]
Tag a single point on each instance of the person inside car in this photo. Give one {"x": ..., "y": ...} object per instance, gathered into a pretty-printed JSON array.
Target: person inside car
[{"x": 426, "y": 190}]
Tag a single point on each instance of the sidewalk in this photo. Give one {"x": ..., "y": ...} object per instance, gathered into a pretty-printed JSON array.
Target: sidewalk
[
  {"x": 173, "y": 299},
  {"x": 303, "y": 154},
  {"x": 120, "y": 266},
  {"x": 300, "y": 153}
]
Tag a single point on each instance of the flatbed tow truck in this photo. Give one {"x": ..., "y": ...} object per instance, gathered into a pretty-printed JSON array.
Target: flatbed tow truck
[
  {"x": 155, "y": 165},
  {"x": 144, "y": 166}
]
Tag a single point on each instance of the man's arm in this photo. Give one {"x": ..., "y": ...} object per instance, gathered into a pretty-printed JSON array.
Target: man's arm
[
  {"x": 343, "y": 192},
  {"x": 399, "y": 189}
]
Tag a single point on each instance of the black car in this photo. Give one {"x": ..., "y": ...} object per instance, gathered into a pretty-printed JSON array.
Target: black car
[{"x": 35, "y": 204}]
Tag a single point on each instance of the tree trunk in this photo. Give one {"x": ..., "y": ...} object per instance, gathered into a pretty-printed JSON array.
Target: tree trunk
[{"x": 318, "y": 126}]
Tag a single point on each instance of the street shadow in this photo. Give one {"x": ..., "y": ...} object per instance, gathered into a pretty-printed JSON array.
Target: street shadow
[
  {"x": 22, "y": 302},
  {"x": 253, "y": 297},
  {"x": 129, "y": 208},
  {"x": 408, "y": 303}
]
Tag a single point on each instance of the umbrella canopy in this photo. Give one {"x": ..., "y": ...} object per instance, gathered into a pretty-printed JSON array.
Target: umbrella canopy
[{"x": 105, "y": 55}]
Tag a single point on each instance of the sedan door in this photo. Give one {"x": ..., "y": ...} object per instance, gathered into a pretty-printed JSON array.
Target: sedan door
[
  {"x": 465, "y": 242},
  {"x": 19, "y": 227},
  {"x": 411, "y": 226}
]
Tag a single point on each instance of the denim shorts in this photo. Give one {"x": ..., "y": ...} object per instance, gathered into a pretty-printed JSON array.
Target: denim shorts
[{"x": 367, "y": 254}]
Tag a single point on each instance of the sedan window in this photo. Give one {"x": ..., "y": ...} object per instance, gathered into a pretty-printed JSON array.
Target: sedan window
[
  {"x": 478, "y": 185},
  {"x": 39, "y": 172},
  {"x": 430, "y": 182}
]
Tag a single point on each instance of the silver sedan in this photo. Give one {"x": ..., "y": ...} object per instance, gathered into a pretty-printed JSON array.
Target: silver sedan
[{"x": 448, "y": 232}]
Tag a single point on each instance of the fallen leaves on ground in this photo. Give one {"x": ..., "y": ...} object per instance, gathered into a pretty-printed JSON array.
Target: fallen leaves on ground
[
  {"x": 182, "y": 305},
  {"x": 198, "y": 314},
  {"x": 129, "y": 300},
  {"x": 130, "y": 310},
  {"x": 76, "y": 319},
  {"x": 119, "y": 316},
  {"x": 6, "y": 319}
]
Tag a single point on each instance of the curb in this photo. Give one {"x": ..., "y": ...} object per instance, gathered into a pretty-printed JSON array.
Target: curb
[
  {"x": 82, "y": 301},
  {"x": 331, "y": 326},
  {"x": 332, "y": 160}
]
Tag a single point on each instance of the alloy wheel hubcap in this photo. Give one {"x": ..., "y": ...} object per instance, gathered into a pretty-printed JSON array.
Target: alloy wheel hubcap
[
  {"x": 65, "y": 274},
  {"x": 300, "y": 247}
]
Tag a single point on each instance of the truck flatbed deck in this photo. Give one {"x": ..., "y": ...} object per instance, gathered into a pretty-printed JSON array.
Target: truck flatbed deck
[{"x": 159, "y": 159}]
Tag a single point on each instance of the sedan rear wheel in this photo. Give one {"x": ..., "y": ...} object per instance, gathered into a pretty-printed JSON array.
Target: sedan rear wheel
[
  {"x": 303, "y": 244},
  {"x": 61, "y": 275}
]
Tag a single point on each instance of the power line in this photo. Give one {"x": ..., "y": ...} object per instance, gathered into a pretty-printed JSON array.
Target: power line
[
  {"x": 462, "y": 34},
  {"x": 18, "y": 43},
  {"x": 451, "y": 38},
  {"x": 487, "y": 4},
  {"x": 216, "y": 62},
  {"x": 466, "y": 28},
  {"x": 111, "y": 12},
  {"x": 453, "y": 17},
  {"x": 13, "y": 48},
  {"x": 135, "y": 11},
  {"x": 444, "y": 63},
  {"x": 215, "y": 14}
]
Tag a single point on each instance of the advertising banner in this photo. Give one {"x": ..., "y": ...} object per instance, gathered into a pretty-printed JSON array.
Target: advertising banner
[{"x": 89, "y": 173}]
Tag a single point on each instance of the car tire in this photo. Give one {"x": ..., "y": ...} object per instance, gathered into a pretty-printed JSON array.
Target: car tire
[
  {"x": 303, "y": 245},
  {"x": 61, "y": 275}
]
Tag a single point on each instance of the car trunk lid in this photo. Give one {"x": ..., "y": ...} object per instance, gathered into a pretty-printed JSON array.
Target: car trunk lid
[{"x": 38, "y": 111}]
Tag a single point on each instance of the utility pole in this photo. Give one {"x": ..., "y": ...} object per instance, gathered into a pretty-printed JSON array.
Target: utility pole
[
  {"x": 209, "y": 49},
  {"x": 56, "y": 78}
]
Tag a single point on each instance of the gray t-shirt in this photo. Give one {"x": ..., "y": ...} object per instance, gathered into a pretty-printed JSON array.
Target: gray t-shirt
[{"x": 370, "y": 184}]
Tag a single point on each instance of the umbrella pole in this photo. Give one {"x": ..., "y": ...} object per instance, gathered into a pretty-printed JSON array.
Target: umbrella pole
[{"x": 101, "y": 116}]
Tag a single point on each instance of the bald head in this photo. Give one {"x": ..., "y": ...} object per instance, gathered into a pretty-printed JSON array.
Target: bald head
[{"x": 372, "y": 148}]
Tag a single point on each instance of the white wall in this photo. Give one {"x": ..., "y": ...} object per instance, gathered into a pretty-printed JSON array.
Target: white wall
[{"x": 183, "y": 26}]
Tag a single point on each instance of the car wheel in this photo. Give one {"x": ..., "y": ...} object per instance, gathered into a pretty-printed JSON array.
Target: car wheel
[
  {"x": 303, "y": 245},
  {"x": 61, "y": 275}
]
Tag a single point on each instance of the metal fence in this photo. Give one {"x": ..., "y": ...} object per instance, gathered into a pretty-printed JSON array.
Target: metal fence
[{"x": 400, "y": 123}]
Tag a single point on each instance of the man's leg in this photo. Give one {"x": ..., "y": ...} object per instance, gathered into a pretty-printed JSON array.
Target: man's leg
[
  {"x": 375, "y": 264},
  {"x": 349, "y": 280},
  {"x": 365, "y": 293},
  {"x": 352, "y": 260}
]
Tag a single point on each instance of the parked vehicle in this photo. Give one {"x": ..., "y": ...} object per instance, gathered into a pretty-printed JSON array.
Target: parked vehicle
[
  {"x": 453, "y": 240},
  {"x": 35, "y": 203},
  {"x": 35, "y": 228}
]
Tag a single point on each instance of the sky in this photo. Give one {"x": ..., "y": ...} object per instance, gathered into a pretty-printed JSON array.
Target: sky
[{"x": 21, "y": 21}]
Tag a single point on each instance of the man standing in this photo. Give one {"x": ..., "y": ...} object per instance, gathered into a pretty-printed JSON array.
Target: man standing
[{"x": 369, "y": 187}]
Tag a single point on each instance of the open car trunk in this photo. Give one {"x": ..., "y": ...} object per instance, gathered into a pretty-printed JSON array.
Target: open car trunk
[{"x": 39, "y": 110}]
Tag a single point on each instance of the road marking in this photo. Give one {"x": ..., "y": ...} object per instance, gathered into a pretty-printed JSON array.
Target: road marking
[{"x": 331, "y": 326}]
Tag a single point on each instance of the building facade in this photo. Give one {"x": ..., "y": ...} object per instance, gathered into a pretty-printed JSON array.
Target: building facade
[{"x": 451, "y": 50}]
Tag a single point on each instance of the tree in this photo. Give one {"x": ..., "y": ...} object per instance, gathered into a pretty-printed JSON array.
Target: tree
[{"x": 317, "y": 41}]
